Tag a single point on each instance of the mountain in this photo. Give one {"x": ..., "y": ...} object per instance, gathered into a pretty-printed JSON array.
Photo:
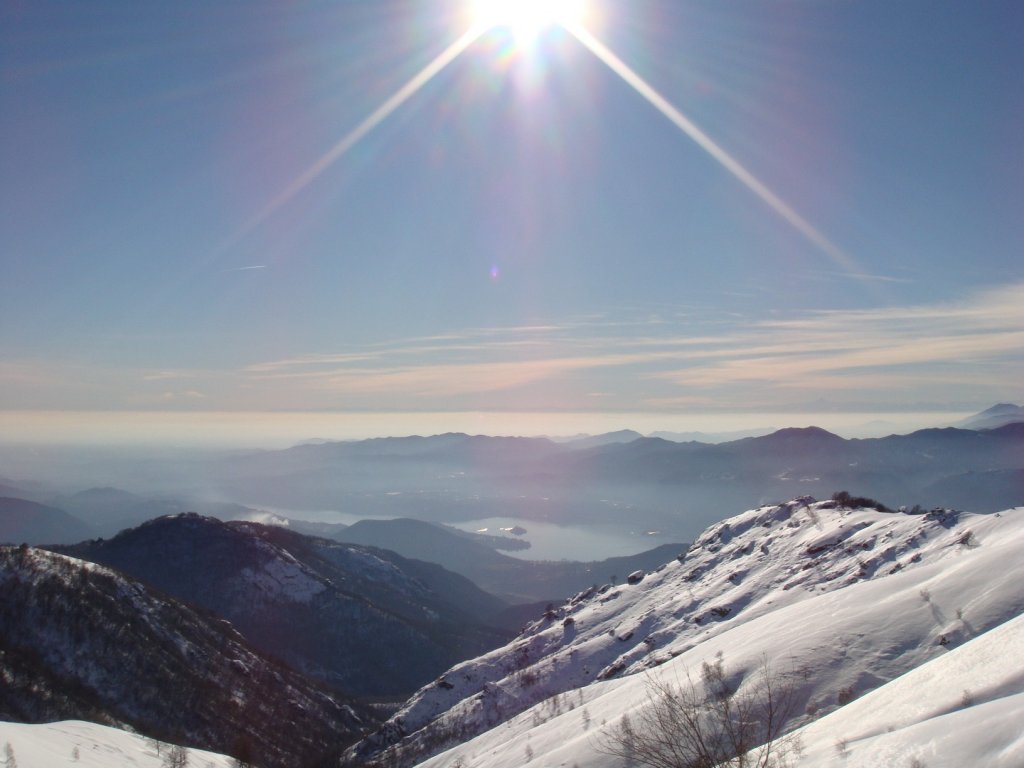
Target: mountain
[
  {"x": 515, "y": 579},
  {"x": 80, "y": 641},
  {"x": 32, "y": 523},
  {"x": 362, "y": 619},
  {"x": 984, "y": 489},
  {"x": 710, "y": 437},
  {"x": 997, "y": 416},
  {"x": 841, "y": 600},
  {"x": 608, "y": 438},
  {"x": 109, "y": 510},
  {"x": 645, "y": 484}
]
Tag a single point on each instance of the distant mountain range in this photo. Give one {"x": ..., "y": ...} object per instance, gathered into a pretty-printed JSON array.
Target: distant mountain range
[
  {"x": 676, "y": 487},
  {"x": 620, "y": 480}
]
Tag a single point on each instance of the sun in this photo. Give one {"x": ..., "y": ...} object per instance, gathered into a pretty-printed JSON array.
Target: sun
[{"x": 526, "y": 19}]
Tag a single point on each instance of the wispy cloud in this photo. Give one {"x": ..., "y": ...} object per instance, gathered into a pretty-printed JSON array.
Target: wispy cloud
[
  {"x": 430, "y": 380},
  {"x": 871, "y": 351},
  {"x": 871, "y": 348},
  {"x": 951, "y": 352}
]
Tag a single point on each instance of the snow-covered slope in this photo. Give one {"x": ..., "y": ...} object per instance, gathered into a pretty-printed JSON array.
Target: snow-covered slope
[
  {"x": 963, "y": 708},
  {"x": 76, "y": 744},
  {"x": 849, "y": 598}
]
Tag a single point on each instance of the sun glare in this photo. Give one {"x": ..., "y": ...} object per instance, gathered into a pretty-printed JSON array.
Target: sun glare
[{"x": 526, "y": 19}]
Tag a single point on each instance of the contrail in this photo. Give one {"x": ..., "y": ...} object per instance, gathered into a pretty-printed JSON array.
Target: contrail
[
  {"x": 353, "y": 137},
  {"x": 708, "y": 144},
  {"x": 249, "y": 268}
]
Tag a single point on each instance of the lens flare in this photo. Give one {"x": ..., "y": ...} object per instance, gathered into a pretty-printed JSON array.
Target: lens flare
[
  {"x": 526, "y": 19},
  {"x": 705, "y": 142}
]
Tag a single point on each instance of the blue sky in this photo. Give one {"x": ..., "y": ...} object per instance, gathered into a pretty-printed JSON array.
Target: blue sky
[{"x": 524, "y": 232}]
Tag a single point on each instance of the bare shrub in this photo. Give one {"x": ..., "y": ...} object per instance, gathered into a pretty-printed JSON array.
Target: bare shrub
[
  {"x": 843, "y": 748},
  {"x": 176, "y": 757},
  {"x": 709, "y": 723},
  {"x": 845, "y": 695},
  {"x": 845, "y": 500}
]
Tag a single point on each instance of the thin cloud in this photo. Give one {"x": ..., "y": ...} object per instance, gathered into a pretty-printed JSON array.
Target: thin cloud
[
  {"x": 936, "y": 351},
  {"x": 875, "y": 350},
  {"x": 248, "y": 268},
  {"x": 452, "y": 380}
]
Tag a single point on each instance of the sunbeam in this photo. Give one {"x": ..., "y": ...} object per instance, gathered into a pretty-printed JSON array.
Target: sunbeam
[
  {"x": 567, "y": 15},
  {"x": 708, "y": 144},
  {"x": 353, "y": 137}
]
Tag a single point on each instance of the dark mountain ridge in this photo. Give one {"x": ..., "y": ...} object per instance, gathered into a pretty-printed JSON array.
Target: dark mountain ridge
[
  {"x": 80, "y": 641},
  {"x": 364, "y": 620}
]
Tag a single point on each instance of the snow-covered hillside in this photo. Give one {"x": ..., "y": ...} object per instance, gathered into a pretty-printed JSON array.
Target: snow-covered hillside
[
  {"x": 849, "y": 599},
  {"x": 76, "y": 744},
  {"x": 962, "y": 708}
]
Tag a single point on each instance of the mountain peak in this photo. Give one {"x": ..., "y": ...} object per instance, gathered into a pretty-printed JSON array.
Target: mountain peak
[
  {"x": 796, "y": 437},
  {"x": 1001, "y": 408},
  {"x": 812, "y": 431},
  {"x": 998, "y": 415}
]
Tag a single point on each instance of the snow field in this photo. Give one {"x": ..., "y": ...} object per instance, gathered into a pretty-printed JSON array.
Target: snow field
[{"x": 75, "y": 744}]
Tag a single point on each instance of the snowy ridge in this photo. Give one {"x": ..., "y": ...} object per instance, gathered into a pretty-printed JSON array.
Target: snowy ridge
[{"x": 813, "y": 586}]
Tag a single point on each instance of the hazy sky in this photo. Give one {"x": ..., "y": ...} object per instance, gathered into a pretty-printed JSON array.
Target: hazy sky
[{"x": 203, "y": 206}]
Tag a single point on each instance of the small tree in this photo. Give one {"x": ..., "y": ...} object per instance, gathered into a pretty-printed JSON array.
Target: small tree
[
  {"x": 176, "y": 757},
  {"x": 710, "y": 723},
  {"x": 10, "y": 761}
]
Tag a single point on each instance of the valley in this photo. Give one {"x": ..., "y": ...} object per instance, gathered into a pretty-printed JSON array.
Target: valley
[{"x": 403, "y": 641}]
